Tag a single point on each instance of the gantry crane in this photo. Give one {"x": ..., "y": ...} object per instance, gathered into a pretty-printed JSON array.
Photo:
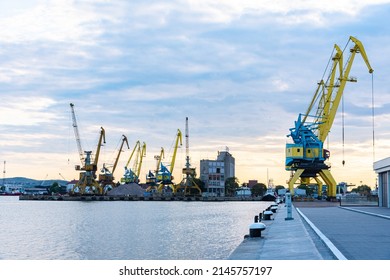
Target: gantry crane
[
  {"x": 188, "y": 185},
  {"x": 106, "y": 180},
  {"x": 306, "y": 157},
  {"x": 164, "y": 175},
  {"x": 132, "y": 175}
]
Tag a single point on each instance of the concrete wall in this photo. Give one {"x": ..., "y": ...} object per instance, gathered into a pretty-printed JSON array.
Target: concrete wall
[{"x": 382, "y": 167}]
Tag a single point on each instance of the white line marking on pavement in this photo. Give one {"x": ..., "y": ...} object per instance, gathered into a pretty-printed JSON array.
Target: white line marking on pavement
[{"x": 327, "y": 242}]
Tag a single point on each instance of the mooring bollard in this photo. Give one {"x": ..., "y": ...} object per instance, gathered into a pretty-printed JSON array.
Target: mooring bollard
[
  {"x": 267, "y": 214},
  {"x": 255, "y": 229},
  {"x": 274, "y": 208}
]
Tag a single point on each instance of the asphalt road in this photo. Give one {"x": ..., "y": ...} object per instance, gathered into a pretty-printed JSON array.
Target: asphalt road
[{"x": 357, "y": 235}]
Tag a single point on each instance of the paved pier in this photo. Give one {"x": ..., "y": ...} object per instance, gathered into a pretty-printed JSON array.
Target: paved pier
[
  {"x": 329, "y": 232},
  {"x": 282, "y": 240},
  {"x": 359, "y": 233}
]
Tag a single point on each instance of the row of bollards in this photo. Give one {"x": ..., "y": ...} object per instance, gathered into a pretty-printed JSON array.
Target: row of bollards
[{"x": 257, "y": 227}]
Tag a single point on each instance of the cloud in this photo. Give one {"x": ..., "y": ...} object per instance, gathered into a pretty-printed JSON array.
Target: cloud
[
  {"x": 287, "y": 12},
  {"x": 26, "y": 111},
  {"x": 62, "y": 21}
]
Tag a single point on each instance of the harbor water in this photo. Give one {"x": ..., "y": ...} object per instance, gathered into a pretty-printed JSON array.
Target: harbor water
[{"x": 116, "y": 230}]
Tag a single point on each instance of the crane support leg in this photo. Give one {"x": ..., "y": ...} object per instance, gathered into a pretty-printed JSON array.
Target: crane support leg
[
  {"x": 293, "y": 179},
  {"x": 319, "y": 185},
  {"x": 330, "y": 182}
]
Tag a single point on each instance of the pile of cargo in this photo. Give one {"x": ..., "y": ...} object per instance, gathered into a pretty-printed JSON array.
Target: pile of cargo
[{"x": 127, "y": 190}]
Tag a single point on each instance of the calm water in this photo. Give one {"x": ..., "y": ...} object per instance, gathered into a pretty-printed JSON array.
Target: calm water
[{"x": 38, "y": 230}]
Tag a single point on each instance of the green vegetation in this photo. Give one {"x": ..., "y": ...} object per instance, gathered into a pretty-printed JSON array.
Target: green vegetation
[
  {"x": 259, "y": 189},
  {"x": 56, "y": 188},
  {"x": 363, "y": 190},
  {"x": 231, "y": 185}
]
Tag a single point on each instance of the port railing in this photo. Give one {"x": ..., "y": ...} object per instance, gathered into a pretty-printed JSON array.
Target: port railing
[{"x": 357, "y": 200}]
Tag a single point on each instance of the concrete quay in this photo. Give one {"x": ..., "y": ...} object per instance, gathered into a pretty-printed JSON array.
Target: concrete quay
[{"x": 321, "y": 231}]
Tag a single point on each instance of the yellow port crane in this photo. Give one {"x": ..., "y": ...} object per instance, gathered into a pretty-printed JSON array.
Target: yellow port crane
[
  {"x": 87, "y": 183},
  {"x": 306, "y": 157},
  {"x": 132, "y": 175},
  {"x": 151, "y": 177},
  {"x": 164, "y": 176},
  {"x": 106, "y": 180}
]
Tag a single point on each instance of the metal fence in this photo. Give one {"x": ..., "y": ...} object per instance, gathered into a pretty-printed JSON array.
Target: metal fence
[{"x": 357, "y": 200}]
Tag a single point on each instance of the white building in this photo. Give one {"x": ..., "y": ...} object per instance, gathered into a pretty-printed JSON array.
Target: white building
[
  {"x": 244, "y": 192},
  {"x": 382, "y": 167}
]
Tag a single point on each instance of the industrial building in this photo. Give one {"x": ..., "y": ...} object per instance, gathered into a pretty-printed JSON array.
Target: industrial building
[
  {"x": 382, "y": 168},
  {"x": 215, "y": 172}
]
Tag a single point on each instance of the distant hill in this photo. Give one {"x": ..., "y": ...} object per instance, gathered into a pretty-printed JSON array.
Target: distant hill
[{"x": 30, "y": 183}]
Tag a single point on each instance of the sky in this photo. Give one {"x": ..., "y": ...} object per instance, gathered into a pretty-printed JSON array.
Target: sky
[{"x": 241, "y": 71}]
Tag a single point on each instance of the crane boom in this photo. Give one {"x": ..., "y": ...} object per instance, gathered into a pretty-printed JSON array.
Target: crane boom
[
  {"x": 159, "y": 159},
  {"x": 141, "y": 156},
  {"x": 76, "y": 133},
  {"x": 335, "y": 92},
  {"x": 106, "y": 180},
  {"x": 178, "y": 138},
  {"x": 132, "y": 174},
  {"x": 136, "y": 147},
  {"x": 306, "y": 156},
  {"x": 124, "y": 140},
  {"x": 102, "y": 140}
]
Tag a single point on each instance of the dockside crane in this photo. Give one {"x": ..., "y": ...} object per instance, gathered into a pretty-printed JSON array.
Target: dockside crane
[
  {"x": 87, "y": 183},
  {"x": 106, "y": 179},
  {"x": 151, "y": 177},
  {"x": 131, "y": 175},
  {"x": 164, "y": 175},
  {"x": 306, "y": 156},
  {"x": 188, "y": 185}
]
